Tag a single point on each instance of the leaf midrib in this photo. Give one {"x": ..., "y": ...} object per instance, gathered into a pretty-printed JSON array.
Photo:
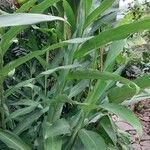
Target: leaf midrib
[{"x": 11, "y": 141}]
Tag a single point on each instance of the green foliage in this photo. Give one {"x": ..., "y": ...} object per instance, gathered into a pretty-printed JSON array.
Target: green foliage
[
  {"x": 59, "y": 75},
  {"x": 13, "y": 141},
  {"x": 92, "y": 140}
]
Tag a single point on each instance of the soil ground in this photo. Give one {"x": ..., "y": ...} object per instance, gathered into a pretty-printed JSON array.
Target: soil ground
[{"x": 142, "y": 110}]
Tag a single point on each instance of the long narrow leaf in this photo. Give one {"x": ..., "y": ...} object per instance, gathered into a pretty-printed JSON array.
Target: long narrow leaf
[
  {"x": 53, "y": 143},
  {"x": 19, "y": 19},
  {"x": 115, "y": 49},
  {"x": 24, "y": 59},
  {"x": 60, "y": 127},
  {"x": 7, "y": 38},
  {"x": 28, "y": 120},
  {"x": 92, "y": 140},
  {"x": 22, "y": 112},
  {"x": 117, "y": 33},
  {"x": 125, "y": 114},
  {"x": 69, "y": 14},
  {"x": 98, "y": 11},
  {"x": 13, "y": 141},
  {"x": 95, "y": 74},
  {"x": 120, "y": 94}
]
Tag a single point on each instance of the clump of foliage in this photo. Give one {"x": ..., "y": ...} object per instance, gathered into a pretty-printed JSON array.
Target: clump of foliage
[
  {"x": 59, "y": 78},
  {"x": 138, "y": 53}
]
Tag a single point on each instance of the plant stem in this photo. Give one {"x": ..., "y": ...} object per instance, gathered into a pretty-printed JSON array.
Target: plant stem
[
  {"x": 2, "y": 101},
  {"x": 74, "y": 135},
  {"x": 47, "y": 60},
  {"x": 101, "y": 59}
]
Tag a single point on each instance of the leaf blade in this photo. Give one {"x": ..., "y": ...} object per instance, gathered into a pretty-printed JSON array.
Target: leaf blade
[
  {"x": 92, "y": 140},
  {"x": 20, "y": 19},
  {"x": 125, "y": 114},
  {"x": 97, "y": 12},
  {"x": 59, "y": 127},
  {"x": 105, "y": 37},
  {"x": 13, "y": 141}
]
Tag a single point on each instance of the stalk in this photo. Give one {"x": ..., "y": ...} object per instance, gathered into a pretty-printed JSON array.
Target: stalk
[
  {"x": 47, "y": 60},
  {"x": 68, "y": 59},
  {"x": 101, "y": 51},
  {"x": 2, "y": 101},
  {"x": 101, "y": 59},
  {"x": 72, "y": 140}
]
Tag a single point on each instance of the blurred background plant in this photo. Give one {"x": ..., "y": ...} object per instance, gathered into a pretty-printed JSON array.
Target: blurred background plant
[{"x": 139, "y": 46}]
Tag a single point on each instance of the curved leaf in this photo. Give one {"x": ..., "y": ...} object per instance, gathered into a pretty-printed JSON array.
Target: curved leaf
[
  {"x": 108, "y": 126},
  {"x": 19, "y": 19},
  {"x": 105, "y": 76},
  {"x": 115, "y": 49},
  {"x": 125, "y": 114},
  {"x": 117, "y": 33},
  {"x": 26, "y": 121},
  {"x": 22, "y": 112},
  {"x": 92, "y": 140},
  {"x": 119, "y": 94},
  {"x": 21, "y": 60},
  {"x": 7, "y": 38},
  {"x": 59, "y": 127},
  {"x": 95, "y": 74},
  {"x": 98, "y": 11},
  {"x": 13, "y": 141},
  {"x": 69, "y": 14}
]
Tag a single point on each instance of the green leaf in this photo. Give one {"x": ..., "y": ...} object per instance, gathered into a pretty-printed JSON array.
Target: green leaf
[
  {"x": 125, "y": 114},
  {"x": 98, "y": 11},
  {"x": 14, "y": 64},
  {"x": 27, "y": 83},
  {"x": 21, "y": 112},
  {"x": 106, "y": 19},
  {"x": 115, "y": 49},
  {"x": 105, "y": 76},
  {"x": 59, "y": 127},
  {"x": 13, "y": 141},
  {"x": 50, "y": 71},
  {"x": 92, "y": 140},
  {"x": 117, "y": 33},
  {"x": 69, "y": 14},
  {"x": 43, "y": 6},
  {"x": 143, "y": 81},
  {"x": 7, "y": 38},
  {"x": 100, "y": 88},
  {"x": 78, "y": 88},
  {"x": 53, "y": 143},
  {"x": 25, "y": 7},
  {"x": 43, "y": 62},
  {"x": 95, "y": 74},
  {"x": 19, "y": 19},
  {"x": 25, "y": 102},
  {"x": 26, "y": 121},
  {"x": 12, "y": 89},
  {"x": 88, "y": 6},
  {"x": 106, "y": 124},
  {"x": 119, "y": 94}
]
